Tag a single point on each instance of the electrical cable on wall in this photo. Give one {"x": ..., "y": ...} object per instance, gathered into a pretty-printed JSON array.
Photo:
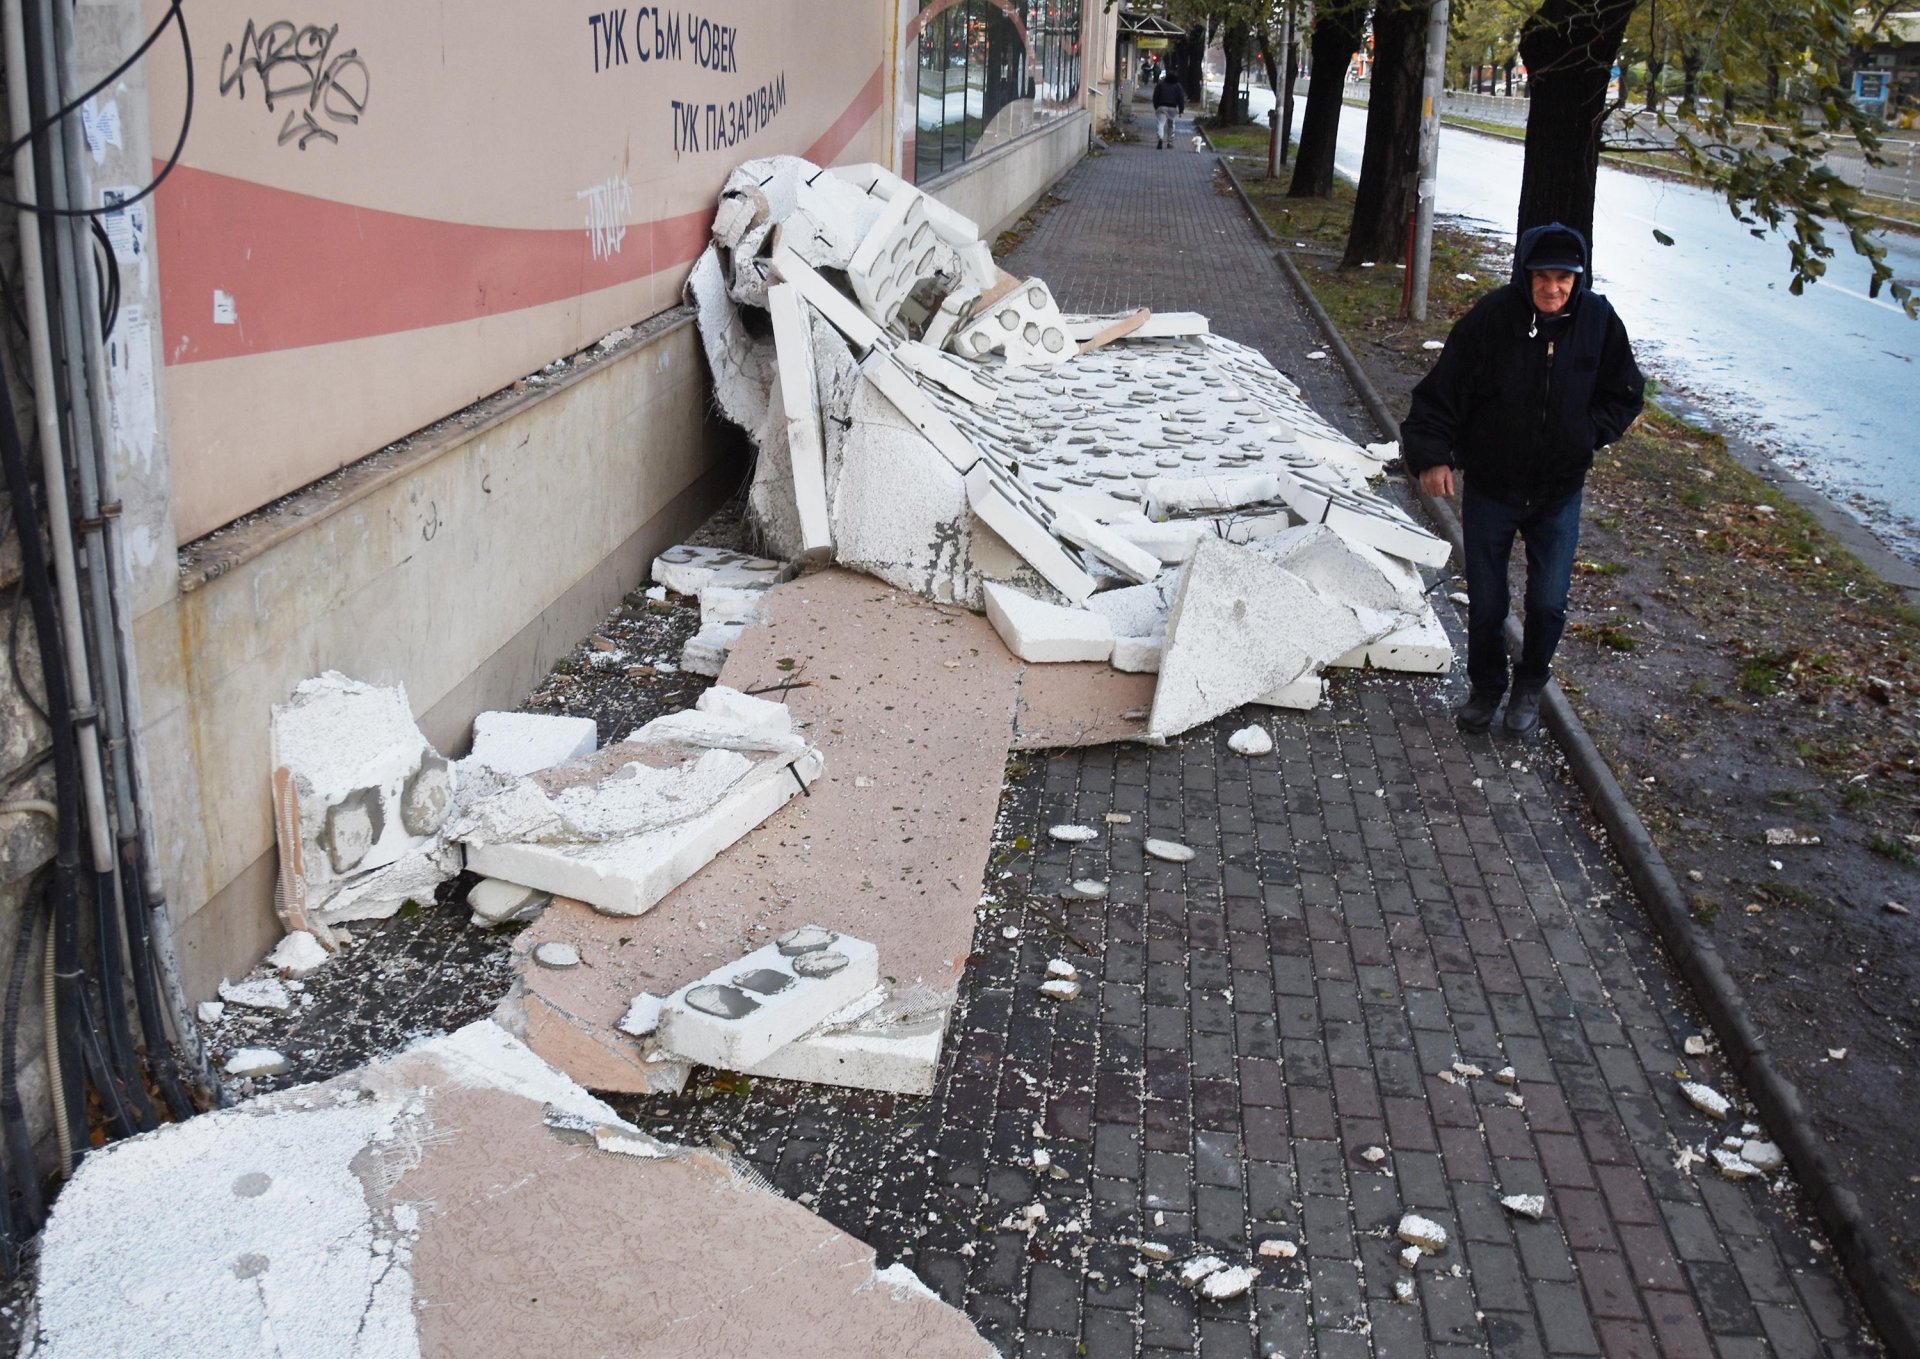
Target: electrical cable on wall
[{"x": 41, "y": 129}]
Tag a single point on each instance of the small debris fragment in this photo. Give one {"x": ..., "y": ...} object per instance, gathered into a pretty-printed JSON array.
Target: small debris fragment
[
  {"x": 1516, "y": 1101},
  {"x": 1895, "y": 908},
  {"x": 1787, "y": 835},
  {"x": 1009, "y": 931},
  {"x": 1467, "y": 1069},
  {"x": 1766, "y": 1157},
  {"x": 1532, "y": 1206},
  {"x": 1119, "y": 819},
  {"x": 256, "y": 1062},
  {"x": 1837, "y": 1054},
  {"x": 1034, "y": 1213},
  {"x": 1091, "y": 888},
  {"x": 1275, "y": 1248},
  {"x": 1061, "y": 968},
  {"x": 1198, "y": 1268},
  {"x": 1169, "y": 850},
  {"x": 1373, "y": 1155},
  {"x": 1459, "y": 597},
  {"x": 1706, "y": 1099},
  {"x": 1072, "y": 835},
  {"x": 211, "y": 1010},
  {"x": 1448, "y": 1077},
  {"x": 1316, "y": 353},
  {"x": 1506, "y": 1075},
  {"x": 1423, "y": 1232},
  {"x": 1060, "y": 990},
  {"x": 1228, "y": 1283},
  {"x": 1250, "y": 741},
  {"x": 1154, "y": 1250},
  {"x": 555, "y": 953},
  {"x": 1732, "y": 1166},
  {"x": 1403, "y": 1290},
  {"x": 1042, "y": 1158},
  {"x": 1695, "y": 1046},
  {"x": 1433, "y": 344}
]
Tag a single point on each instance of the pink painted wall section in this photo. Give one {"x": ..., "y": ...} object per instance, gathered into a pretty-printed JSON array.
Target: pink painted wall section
[{"x": 386, "y": 210}]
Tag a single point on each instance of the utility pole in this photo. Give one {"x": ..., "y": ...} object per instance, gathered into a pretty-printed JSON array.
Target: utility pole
[{"x": 1432, "y": 88}]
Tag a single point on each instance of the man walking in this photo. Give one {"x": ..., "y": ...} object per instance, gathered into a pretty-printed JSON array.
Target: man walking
[
  {"x": 1169, "y": 102},
  {"x": 1532, "y": 382}
]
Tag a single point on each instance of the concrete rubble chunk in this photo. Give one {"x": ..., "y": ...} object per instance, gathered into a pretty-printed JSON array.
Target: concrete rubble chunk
[
  {"x": 1532, "y": 1206},
  {"x": 1198, "y": 1268},
  {"x": 266, "y": 994},
  {"x": 743, "y": 1012},
  {"x": 1060, "y": 967},
  {"x": 256, "y": 1062},
  {"x": 1275, "y": 1248},
  {"x": 643, "y": 1015},
  {"x": 298, "y": 955},
  {"x": 1231, "y": 1282},
  {"x": 1060, "y": 989},
  {"x": 1695, "y": 1045},
  {"x": 1041, "y": 632},
  {"x": 1169, "y": 851},
  {"x": 357, "y": 788},
  {"x": 1423, "y": 1232},
  {"x": 1732, "y": 1165},
  {"x": 516, "y": 744},
  {"x": 493, "y": 902},
  {"x": 1155, "y": 1250},
  {"x": 1506, "y": 1075},
  {"x": 210, "y": 1011},
  {"x": 1403, "y": 1290},
  {"x": 1072, "y": 835},
  {"x": 1410, "y": 1257},
  {"x": 1706, "y": 1099},
  {"x": 1765, "y": 1157},
  {"x": 553, "y": 953},
  {"x": 1250, "y": 741}
]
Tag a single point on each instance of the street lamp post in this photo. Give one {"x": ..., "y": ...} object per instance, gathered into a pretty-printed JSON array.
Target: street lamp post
[{"x": 1431, "y": 91}]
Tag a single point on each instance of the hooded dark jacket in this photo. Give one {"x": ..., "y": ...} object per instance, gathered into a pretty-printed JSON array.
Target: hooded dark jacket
[
  {"x": 1170, "y": 94},
  {"x": 1520, "y": 402}
]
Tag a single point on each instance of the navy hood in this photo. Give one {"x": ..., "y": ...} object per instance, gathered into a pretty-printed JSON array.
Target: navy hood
[{"x": 1551, "y": 246}]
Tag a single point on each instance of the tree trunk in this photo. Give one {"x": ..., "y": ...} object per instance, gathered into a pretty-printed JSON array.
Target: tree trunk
[
  {"x": 1233, "y": 107},
  {"x": 1336, "y": 37},
  {"x": 1690, "y": 64},
  {"x": 1390, "y": 164},
  {"x": 1510, "y": 66},
  {"x": 1192, "y": 66},
  {"x": 1654, "y": 68},
  {"x": 1568, "y": 46}
]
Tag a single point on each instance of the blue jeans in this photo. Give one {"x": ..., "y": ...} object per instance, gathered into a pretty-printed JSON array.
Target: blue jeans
[{"x": 1551, "y": 532}]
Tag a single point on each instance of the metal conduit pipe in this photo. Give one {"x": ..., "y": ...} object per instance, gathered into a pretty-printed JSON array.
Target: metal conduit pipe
[
  {"x": 118, "y": 1049},
  {"x": 62, "y": 1071},
  {"x": 107, "y": 574}
]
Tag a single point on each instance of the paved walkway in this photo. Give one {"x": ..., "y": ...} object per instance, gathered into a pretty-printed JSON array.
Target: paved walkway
[{"x": 1375, "y": 901}]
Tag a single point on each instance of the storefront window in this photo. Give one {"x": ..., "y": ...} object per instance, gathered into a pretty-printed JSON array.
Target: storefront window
[{"x": 990, "y": 70}]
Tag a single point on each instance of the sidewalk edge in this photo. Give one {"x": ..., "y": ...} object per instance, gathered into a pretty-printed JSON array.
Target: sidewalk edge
[{"x": 1778, "y": 1099}]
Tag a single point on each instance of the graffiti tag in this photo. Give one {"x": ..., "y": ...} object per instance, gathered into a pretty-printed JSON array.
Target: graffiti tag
[
  {"x": 607, "y": 208},
  {"x": 299, "y": 65}
]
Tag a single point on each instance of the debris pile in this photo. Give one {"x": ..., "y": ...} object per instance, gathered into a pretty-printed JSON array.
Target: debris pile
[{"x": 1128, "y": 488}]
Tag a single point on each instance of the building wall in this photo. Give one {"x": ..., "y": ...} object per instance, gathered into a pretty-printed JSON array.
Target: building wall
[{"x": 317, "y": 319}]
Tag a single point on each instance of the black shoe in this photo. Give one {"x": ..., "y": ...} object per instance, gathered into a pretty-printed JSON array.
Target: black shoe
[
  {"x": 1523, "y": 712},
  {"x": 1476, "y": 714}
]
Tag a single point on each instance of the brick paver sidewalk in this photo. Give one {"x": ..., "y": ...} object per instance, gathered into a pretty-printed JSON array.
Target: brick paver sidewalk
[{"x": 1373, "y": 902}]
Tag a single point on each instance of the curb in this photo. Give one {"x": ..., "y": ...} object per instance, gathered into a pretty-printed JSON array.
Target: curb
[{"x": 1888, "y": 1303}]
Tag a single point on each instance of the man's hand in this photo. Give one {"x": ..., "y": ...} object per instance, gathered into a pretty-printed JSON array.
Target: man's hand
[{"x": 1437, "y": 480}]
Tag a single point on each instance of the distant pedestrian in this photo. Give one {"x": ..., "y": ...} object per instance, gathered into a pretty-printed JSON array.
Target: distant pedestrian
[
  {"x": 1532, "y": 383},
  {"x": 1169, "y": 102}
]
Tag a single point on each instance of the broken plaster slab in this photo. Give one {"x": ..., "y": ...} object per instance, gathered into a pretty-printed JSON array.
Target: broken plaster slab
[
  {"x": 344, "y": 1220},
  {"x": 1419, "y": 648},
  {"x": 523, "y": 743},
  {"x": 1346, "y": 569},
  {"x": 1309, "y": 691},
  {"x": 745, "y": 1011},
  {"x": 629, "y": 876},
  {"x": 900, "y": 1056},
  {"x": 687, "y": 570},
  {"x": 806, "y": 445},
  {"x": 1241, "y": 627},
  {"x": 841, "y": 311},
  {"x": 1016, "y": 519},
  {"x": 1025, "y": 325},
  {"x": 899, "y": 251},
  {"x": 1038, "y": 631},
  {"x": 1158, "y": 325}
]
